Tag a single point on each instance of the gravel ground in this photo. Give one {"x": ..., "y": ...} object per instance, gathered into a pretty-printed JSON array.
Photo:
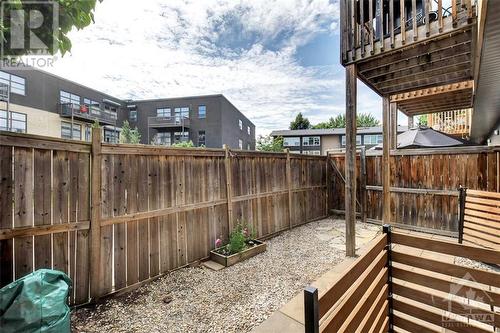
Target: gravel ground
[{"x": 234, "y": 299}]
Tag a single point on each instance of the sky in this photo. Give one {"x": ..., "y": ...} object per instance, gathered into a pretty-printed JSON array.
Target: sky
[{"x": 271, "y": 59}]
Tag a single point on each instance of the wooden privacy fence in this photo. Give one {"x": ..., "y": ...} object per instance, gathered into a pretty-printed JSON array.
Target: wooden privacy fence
[
  {"x": 393, "y": 285},
  {"x": 424, "y": 184},
  {"x": 115, "y": 216},
  {"x": 479, "y": 218}
]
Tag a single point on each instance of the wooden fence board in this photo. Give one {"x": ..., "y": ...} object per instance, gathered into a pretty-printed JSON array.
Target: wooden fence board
[
  {"x": 23, "y": 210},
  {"x": 6, "y": 206},
  {"x": 42, "y": 206}
]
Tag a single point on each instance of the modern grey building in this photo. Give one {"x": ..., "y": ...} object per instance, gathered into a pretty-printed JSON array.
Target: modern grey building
[
  {"x": 36, "y": 102},
  {"x": 320, "y": 141}
]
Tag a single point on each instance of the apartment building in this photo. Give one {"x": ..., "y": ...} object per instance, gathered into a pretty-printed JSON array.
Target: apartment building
[
  {"x": 320, "y": 141},
  {"x": 36, "y": 102}
]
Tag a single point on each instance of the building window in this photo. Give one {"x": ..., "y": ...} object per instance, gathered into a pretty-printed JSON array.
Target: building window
[
  {"x": 248, "y": 147},
  {"x": 181, "y": 136},
  {"x": 311, "y": 141},
  {"x": 248, "y": 130},
  {"x": 291, "y": 142},
  {"x": 17, "y": 84},
  {"x": 163, "y": 112},
  {"x": 201, "y": 139},
  {"x": 240, "y": 123},
  {"x": 132, "y": 116},
  {"x": 66, "y": 131},
  {"x": 240, "y": 143},
  {"x": 163, "y": 138},
  {"x": 202, "y": 111},
  {"x": 181, "y": 112},
  {"x": 93, "y": 106},
  {"x": 69, "y": 98},
  {"x": 15, "y": 123},
  {"x": 111, "y": 136},
  {"x": 311, "y": 152},
  {"x": 373, "y": 139},
  {"x": 358, "y": 140}
]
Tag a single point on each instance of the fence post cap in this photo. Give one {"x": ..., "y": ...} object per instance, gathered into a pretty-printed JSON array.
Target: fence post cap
[{"x": 386, "y": 228}]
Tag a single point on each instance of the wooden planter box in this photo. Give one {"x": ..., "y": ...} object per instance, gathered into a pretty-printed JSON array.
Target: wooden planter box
[{"x": 227, "y": 261}]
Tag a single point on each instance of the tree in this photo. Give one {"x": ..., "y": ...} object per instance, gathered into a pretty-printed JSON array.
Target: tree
[
  {"x": 300, "y": 123},
  {"x": 72, "y": 14},
  {"x": 422, "y": 120},
  {"x": 129, "y": 135},
  {"x": 362, "y": 120},
  {"x": 269, "y": 143}
]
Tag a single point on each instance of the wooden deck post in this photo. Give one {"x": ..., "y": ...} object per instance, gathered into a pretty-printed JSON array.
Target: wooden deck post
[
  {"x": 411, "y": 122},
  {"x": 350, "y": 160},
  {"x": 289, "y": 186},
  {"x": 229, "y": 188},
  {"x": 394, "y": 125},
  {"x": 95, "y": 223},
  {"x": 386, "y": 169}
]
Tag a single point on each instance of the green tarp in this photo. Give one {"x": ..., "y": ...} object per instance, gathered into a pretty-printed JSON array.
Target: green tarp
[{"x": 36, "y": 303}]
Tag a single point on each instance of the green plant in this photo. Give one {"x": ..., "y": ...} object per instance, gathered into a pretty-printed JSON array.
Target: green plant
[
  {"x": 129, "y": 135},
  {"x": 300, "y": 122},
  {"x": 268, "y": 143},
  {"x": 95, "y": 124},
  {"x": 236, "y": 240},
  {"x": 184, "y": 144}
]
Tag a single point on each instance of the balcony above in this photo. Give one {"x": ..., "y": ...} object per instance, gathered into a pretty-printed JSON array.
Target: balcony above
[
  {"x": 86, "y": 113},
  {"x": 168, "y": 122},
  {"x": 433, "y": 47}
]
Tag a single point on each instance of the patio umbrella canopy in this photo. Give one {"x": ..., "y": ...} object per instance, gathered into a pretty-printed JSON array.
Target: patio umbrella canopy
[{"x": 425, "y": 137}]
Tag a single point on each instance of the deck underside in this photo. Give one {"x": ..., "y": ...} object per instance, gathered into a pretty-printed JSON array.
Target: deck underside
[{"x": 444, "y": 60}]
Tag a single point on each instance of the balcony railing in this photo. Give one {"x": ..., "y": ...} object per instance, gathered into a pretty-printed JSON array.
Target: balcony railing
[
  {"x": 85, "y": 112},
  {"x": 451, "y": 122},
  {"x": 168, "y": 122},
  {"x": 365, "y": 32}
]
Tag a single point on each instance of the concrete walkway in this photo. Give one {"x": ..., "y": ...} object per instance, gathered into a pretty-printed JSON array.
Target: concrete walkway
[{"x": 290, "y": 318}]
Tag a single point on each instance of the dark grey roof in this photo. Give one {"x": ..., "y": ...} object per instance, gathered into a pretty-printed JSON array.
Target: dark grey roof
[
  {"x": 425, "y": 137},
  {"x": 332, "y": 131}
]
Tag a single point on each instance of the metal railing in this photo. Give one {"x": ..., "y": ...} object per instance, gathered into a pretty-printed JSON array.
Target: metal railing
[
  {"x": 174, "y": 121},
  {"x": 86, "y": 112}
]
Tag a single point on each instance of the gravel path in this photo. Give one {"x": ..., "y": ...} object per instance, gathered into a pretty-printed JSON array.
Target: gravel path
[{"x": 235, "y": 299}]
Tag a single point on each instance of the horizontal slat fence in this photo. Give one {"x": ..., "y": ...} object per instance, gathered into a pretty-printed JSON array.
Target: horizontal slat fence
[
  {"x": 157, "y": 209},
  {"x": 481, "y": 218},
  {"x": 424, "y": 184},
  {"x": 401, "y": 282}
]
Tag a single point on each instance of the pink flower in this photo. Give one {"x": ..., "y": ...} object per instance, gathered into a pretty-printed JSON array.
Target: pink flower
[
  {"x": 245, "y": 232},
  {"x": 218, "y": 242}
]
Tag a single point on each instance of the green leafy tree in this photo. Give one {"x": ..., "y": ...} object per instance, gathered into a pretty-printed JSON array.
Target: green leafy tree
[
  {"x": 422, "y": 120},
  {"x": 269, "y": 143},
  {"x": 362, "y": 120},
  {"x": 129, "y": 135},
  {"x": 184, "y": 144},
  {"x": 300, "y": 122},
  {"x": 72, "y": 15}
]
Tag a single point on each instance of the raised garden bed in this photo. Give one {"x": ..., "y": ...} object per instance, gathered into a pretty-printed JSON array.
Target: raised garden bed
[{"x": 253, "y": 247}]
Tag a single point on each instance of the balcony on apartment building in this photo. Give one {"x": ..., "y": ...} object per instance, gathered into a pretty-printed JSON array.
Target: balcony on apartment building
[
  {"x": 169, "y": 122},
  {"x": 87, "y": 113}
]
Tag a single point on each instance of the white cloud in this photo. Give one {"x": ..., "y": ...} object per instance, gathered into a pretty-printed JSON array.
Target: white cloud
[{"x": 243, "y": 49}]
